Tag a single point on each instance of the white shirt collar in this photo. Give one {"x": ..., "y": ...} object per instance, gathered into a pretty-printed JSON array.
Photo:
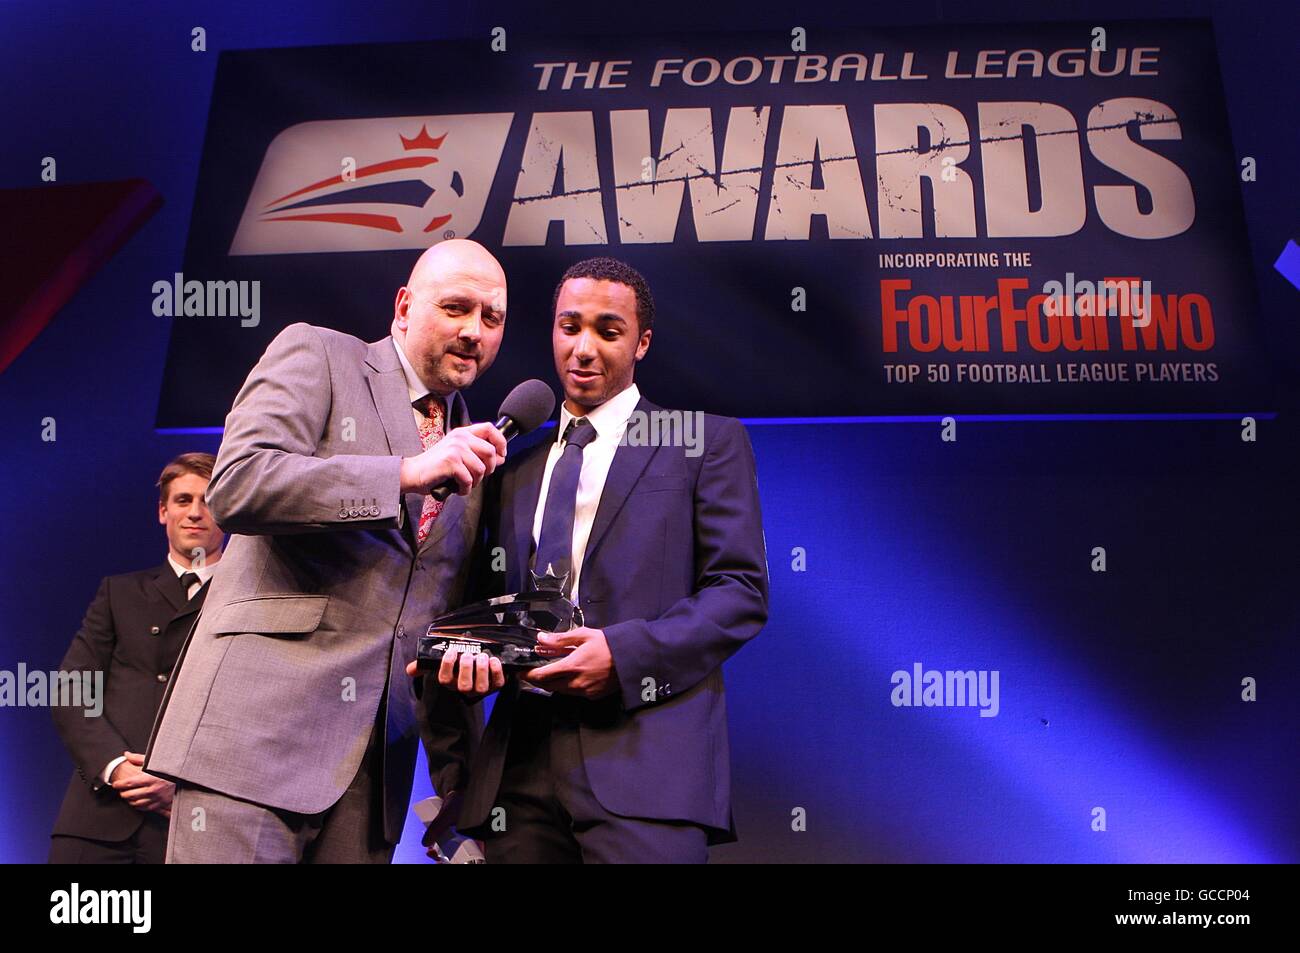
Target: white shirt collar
[
  {"x": 415, "y": 388},
  {"x": 204, "y": 572},
  {"x": 610, "y": 418}
]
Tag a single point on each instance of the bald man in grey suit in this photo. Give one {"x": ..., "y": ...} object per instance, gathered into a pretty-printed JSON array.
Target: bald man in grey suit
[{"x": 289, "y": 726}]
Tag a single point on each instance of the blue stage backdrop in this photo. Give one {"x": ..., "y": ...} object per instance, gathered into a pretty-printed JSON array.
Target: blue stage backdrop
[
  {"x": 1038, "y": 218},
  {"x": 1119, "y": 694}
]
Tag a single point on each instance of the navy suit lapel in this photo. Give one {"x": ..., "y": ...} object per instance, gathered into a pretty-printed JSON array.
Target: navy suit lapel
[
  {"x": 173, "y": 636},
  {"x": 527, "y": 488},
  {"x": 393, "y": 401},
  {"x": 192, "y": 606},
  {"x": 629, "y": 463},
  {"x": 168, "y": 585}
]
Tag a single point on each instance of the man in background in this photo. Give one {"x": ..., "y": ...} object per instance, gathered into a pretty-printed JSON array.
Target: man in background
[{"x": 114, "y": 812}]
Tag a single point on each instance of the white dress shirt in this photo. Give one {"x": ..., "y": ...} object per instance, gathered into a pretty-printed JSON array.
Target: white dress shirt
[
  {"x": 416, "y": 389},
  {"x": 204, "y": 573},
  {"x": 610, "y": 420}
]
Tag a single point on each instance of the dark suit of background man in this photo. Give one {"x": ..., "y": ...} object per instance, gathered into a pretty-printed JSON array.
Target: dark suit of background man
[
  {"x": 113, "y": 812},
  {"x": 662, "y": 546},
  {"x": 290, "y": 727}
]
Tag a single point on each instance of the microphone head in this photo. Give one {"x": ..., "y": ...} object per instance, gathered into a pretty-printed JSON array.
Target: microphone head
[{"x": 529, "y": 405}]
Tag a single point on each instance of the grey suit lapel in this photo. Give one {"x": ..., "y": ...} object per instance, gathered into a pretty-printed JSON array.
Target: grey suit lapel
[{"x": 393, "y": 401}]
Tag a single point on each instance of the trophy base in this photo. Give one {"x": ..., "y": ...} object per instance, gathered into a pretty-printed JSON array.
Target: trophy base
[{"x": 514, "y": 658}]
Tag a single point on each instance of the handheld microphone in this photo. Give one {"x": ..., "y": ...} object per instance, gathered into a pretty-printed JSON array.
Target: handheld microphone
[{"x": 525, "y": 409}]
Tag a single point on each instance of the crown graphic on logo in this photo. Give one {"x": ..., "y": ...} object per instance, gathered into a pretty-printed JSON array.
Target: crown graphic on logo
[{"x": 422, "y": 141}]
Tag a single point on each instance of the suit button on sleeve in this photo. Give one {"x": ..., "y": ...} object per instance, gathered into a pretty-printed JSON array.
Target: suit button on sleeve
[
  {"x": 162, "y": 677},
  {"x": 154, "y": 630}
]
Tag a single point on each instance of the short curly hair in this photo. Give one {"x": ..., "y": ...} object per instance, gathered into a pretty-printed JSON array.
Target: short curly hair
[{"x": 611, "y": 269}]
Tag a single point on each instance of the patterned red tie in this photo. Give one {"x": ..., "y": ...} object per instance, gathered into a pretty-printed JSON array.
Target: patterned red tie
[{"x": 431, "y": 408}]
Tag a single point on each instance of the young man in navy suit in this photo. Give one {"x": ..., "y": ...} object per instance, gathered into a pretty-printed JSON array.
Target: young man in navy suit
[
  {"x": 617, "y": 751},
  {"x": 114, "y": 812}
]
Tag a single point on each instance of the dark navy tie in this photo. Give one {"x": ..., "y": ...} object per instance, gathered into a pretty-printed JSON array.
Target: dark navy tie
[
  {"x": 188, "y": 579},
  {"x": 553, "y": 565}
]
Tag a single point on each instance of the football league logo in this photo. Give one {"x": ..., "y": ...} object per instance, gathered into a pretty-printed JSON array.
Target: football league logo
[{"x": 372, "y": 184}]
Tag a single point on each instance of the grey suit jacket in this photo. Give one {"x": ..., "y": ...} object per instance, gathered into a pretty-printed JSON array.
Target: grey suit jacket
[{"x": 316, "y": 606}]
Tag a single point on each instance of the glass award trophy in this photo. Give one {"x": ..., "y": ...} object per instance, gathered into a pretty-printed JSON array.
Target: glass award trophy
[{"x": 505, "y": 627}]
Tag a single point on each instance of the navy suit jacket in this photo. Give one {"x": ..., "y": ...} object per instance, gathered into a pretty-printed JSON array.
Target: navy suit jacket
[
  {"x": 133, "y": 633},
  {"x": 675, "y": 573}
]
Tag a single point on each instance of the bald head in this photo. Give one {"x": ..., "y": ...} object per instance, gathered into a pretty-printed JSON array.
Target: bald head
[
  {"x": 450, "y": 315},
  {"x": 456, "y": 257}
]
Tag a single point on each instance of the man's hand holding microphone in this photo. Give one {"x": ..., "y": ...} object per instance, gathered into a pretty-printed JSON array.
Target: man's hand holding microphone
[{"x": 460, "y": 461}]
